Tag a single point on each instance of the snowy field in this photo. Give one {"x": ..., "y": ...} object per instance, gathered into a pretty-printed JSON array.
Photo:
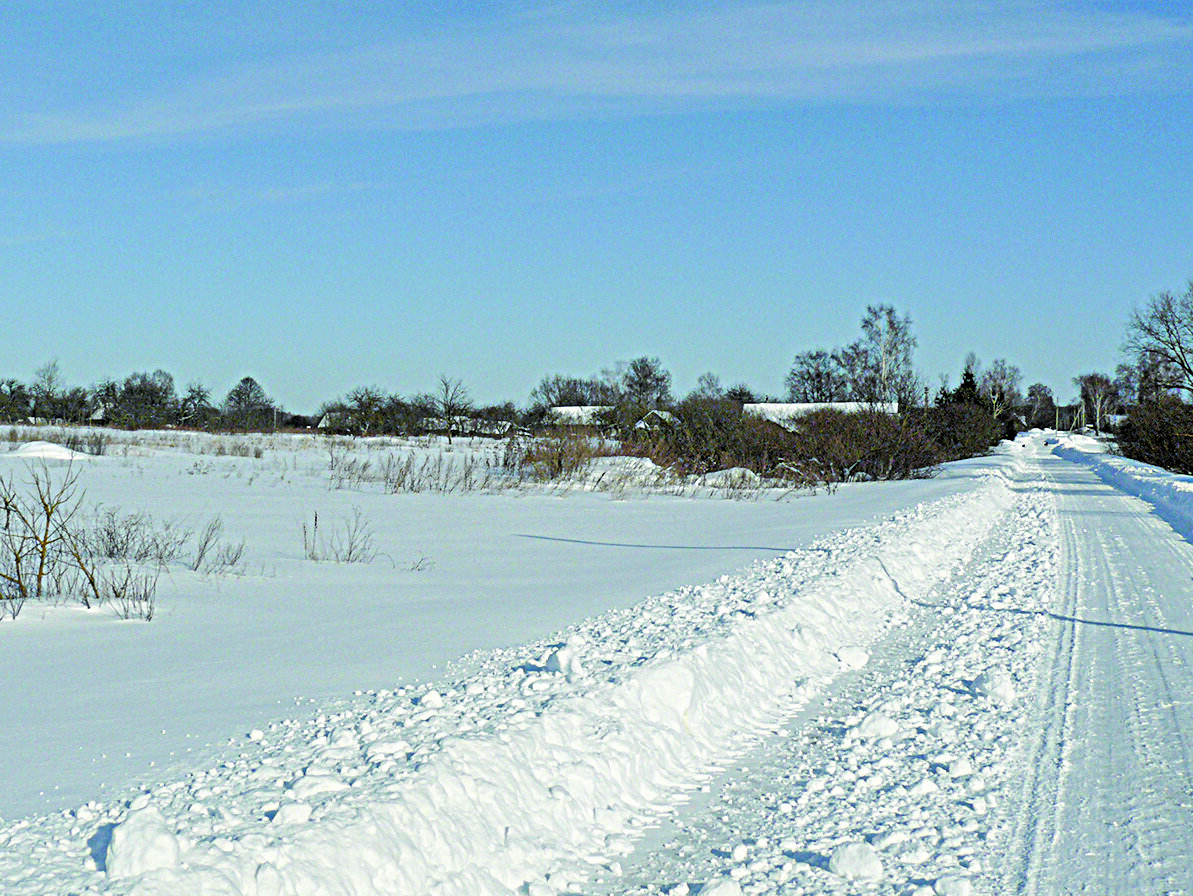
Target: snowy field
[{"x": 885, "y": 689}]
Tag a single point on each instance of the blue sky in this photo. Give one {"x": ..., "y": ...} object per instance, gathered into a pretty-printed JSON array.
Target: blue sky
[{"x": 331, "y": 195}]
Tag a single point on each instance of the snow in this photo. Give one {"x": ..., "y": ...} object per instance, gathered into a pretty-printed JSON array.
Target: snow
[
  {"x": 853, "y": 707},
  {"x": 1170, "y": 495},
  {"x": 47, "y": 451},
  {"x": 856, "y": 861},
  {"x": 84, "y": 714},
  {"x": 995, "y": 685},
  {"x": 140, "y": 844}
]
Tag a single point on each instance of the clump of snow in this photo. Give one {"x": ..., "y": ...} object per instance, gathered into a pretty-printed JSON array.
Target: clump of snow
[
  {"x": 734, "y": 477},
  {"x": 953, "y": 885},
  {"x": 726, "y": 886},
  {"x": 856, "y": 861},
  {"x": 960, "y": 768},
  {"x": 141, "y": 843},
  {"x": 853, "y": 656},
  {"x": 876, "y": 725},
  {"x": 565, "y": 660},
  {"x": 293, "y": 813},
  {"x": 48, "y": 451},
  {"x": 996, "y": 686},
  {"x": 432, "y": 699},
  {"x": 316, "y": 783}
]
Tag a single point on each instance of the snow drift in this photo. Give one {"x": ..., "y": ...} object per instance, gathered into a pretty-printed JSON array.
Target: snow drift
[{"x": 522, "y": 772}]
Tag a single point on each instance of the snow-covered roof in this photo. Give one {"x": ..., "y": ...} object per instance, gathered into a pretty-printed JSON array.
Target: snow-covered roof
[
  {"x": 781, "y": 413},
  {"x": 654, "y": 418}
]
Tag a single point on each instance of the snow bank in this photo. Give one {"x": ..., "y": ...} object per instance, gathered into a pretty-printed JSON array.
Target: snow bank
[
  {"x": 48, "y": 451},
  {"x": 505, "y": 791},
  {"x": 1169, "y": 493}
]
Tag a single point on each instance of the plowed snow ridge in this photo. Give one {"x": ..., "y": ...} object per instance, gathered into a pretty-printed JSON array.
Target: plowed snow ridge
[{"x": 538, "y": 760}]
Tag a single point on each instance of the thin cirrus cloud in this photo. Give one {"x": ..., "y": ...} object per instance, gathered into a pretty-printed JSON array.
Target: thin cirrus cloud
[{"x": 557, "y": 63}]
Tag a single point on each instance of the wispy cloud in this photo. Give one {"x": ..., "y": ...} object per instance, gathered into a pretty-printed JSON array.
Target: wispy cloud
[
  {"x": 220, "y": 199},
  {"x": 558, "y": 63}
]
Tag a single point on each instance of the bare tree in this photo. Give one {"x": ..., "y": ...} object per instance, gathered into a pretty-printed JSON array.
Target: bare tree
[
  {"x": 46, "y": 390},
  {"x": 998, "y": 384},
  {"x": 194, "y": 407},
  {"x": 708, "y": 386},
  {"x": 1162, "y": 332},
  {"x": 248, "y": 407},
  {"x": 15, "y": 401},
  {"x": 1041, "y": 405},
  {"x": 1098, "y": 395},
  {"x": 557, "y": 389},
  {"x": 1126, "y": 384},
  {"x": 35, "y": 529},
  {"x": 878, "y": 366},
  {"x": 741, "y": 393},
  {"x": 364, "y": 409},
  {"x": 817, "y": 376},
  {"x": 452, "y": 401},
  {"x": 646, "y": 382}
]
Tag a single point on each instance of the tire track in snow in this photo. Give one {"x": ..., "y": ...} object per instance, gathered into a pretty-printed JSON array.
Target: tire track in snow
[{"x": 1108, "y": 806}]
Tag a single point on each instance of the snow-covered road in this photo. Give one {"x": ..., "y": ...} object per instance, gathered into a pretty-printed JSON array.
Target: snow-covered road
[
  {"x": 1109, "y": 804},
  {"x": 987, "y": 693}
]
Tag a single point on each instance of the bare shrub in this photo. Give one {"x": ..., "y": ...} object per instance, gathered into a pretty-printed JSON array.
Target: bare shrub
[
  {"x": 237, "y": 449},
  {"x": 212, "y": 556},
  {"x": 837, "y": 447},
  {"x": 350, "y": 542},
  {"x": 12, "y": 596},
  {"x": 34, "y": 531},
  {"x": 343, "y": 469},
  {"x": 226, "y": 558},
  {"x": 207, "y": 539},
  {"x": 130, "y": 590},
  {"x": 710, "y": 435},
  {"x": 439, "y": 472},
  {"x": 962, "y": 429},
  {"x": 97, "y": 444},
  {"x": 560, "y": 455},
  {"x": 136, "y": 537},
  {"x": 1160, "y": 432},
  {"x": 822, "y": 448}
]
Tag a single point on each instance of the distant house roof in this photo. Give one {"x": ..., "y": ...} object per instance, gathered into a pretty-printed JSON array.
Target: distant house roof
[
  {"x": 655, "y": 419},
  {"x": 577, "y": 414},
  {"x": 782, "y": 413}
]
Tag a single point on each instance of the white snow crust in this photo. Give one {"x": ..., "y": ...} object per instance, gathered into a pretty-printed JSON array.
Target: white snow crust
[
  {"x": 876, "y": 711},
  {"x": 534, "y": 768}
]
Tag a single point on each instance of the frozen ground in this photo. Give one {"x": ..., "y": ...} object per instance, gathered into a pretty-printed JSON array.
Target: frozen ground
[{"x": 974, "y": 684}]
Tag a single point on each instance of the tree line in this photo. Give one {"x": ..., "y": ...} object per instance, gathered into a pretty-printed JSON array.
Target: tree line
[
  {"x": 142, "y": 400},
  {"x": 876, "y": 371}
]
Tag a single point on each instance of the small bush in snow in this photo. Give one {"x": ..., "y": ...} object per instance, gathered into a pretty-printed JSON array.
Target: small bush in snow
[
  {"x": 350, "y": 542},
  {"x": 36, "y": 535},
  {"x": 560, "y": 455},
  {"x": 136, "y": 537},
  {"x": 130, "y": 590}
]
